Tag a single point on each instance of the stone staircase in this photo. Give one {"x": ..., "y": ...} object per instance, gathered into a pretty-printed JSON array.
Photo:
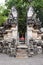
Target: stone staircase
[{"x": 22, "y": 51}]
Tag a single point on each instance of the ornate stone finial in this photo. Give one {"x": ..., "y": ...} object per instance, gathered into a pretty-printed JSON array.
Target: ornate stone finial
[
  {"x": 13, "y": 16},
  {"x": 14, "y": 12},
  {"x": 30, "y": 12}
]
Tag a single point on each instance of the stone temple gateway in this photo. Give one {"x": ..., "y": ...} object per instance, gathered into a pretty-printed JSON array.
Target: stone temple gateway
[
  {"x": 9, "y": 35},
  {"x": 12, "y": 33},
  {"x": 33, "y": 34},
  {"x": 33, "y": 24}
]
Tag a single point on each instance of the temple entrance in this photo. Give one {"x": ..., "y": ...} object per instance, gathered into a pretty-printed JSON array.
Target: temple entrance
[
  {"x": 22, "y": 38},
  {"x": 18, "y": 43}
]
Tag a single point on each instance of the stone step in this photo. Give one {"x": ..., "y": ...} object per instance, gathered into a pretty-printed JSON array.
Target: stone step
[
  {"x": 21, "y": 53},
  {"x": 21, "y": 56},
  {"x": 22, "y": 46}
]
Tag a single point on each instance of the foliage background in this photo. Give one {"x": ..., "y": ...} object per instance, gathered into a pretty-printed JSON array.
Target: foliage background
[{"x": 21, "y": 6}]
